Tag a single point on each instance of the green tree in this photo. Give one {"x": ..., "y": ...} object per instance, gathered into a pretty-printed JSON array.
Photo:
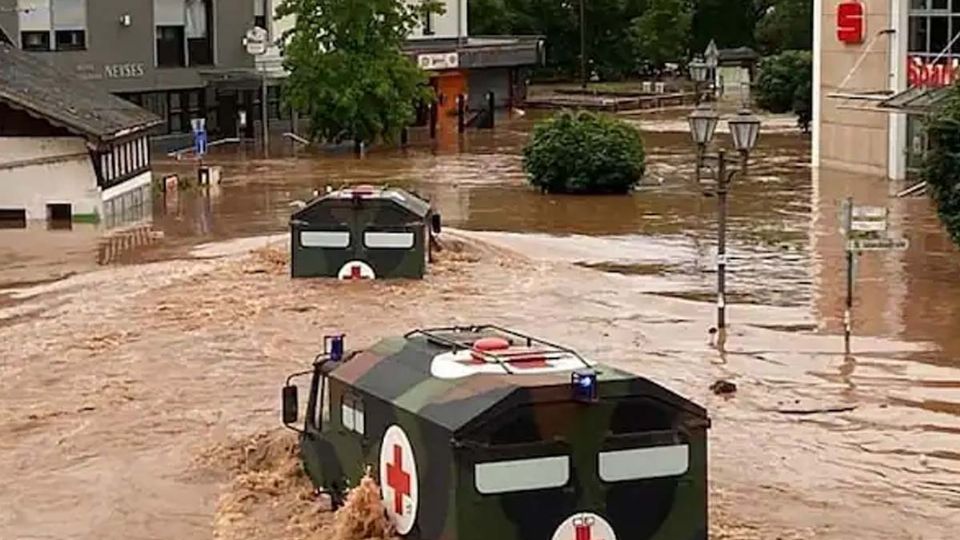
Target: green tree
[
  {"x": 348, "y": 73},
  {"x": 584, "y": 152},
  {"x": 941, "y": 168},
  {"x": 780, "y": 76},
  {"x": 786, "y": 25},
  {"x": 662, "y": 33},
  {"x": 730, "y": 22}
]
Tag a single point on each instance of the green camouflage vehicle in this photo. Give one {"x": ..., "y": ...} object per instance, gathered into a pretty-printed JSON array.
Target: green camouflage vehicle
[
  {"x": 483, "y": 433},
  {"x": 363, "y": 232}
]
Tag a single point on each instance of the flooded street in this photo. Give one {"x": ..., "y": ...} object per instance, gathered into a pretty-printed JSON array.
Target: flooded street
[{"x": 115, "y": 379}]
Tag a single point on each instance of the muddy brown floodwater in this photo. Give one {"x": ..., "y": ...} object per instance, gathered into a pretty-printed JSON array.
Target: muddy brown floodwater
[{"x": 124, "y": 388}]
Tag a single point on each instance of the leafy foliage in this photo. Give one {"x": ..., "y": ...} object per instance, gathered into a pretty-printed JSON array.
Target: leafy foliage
[
  {"x": 662, "y": 33},
  {"x": 941, "y": 168},
  {"x": 348, "y": 74},
  {"x": 730, "y": 22},
  {"x": 786, "y": 25},
  {"x": 584, "y": 152},
  {"x": 779, "y": 78}
]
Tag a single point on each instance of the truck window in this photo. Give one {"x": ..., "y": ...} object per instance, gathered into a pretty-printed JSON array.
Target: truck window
[
  {"x": 352, "y": 413},
  {"x": 388, "y": 240},
  {"x": 522, "y": 474},
  {"x": 644, "y": 463},
  {"x": 322, "y": 411},
  {"x": 325, "y": 239},
  {"x": 640, "y": 415}
]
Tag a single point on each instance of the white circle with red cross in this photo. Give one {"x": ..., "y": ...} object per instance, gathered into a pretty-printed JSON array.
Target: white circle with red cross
[
  {"x": 584, "y": 526},
  {"x": 398, "y": 479},
  {"x": 356, "y": 270}
]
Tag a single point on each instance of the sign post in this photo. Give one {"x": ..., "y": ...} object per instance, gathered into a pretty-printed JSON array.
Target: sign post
[
  {"x": 256, "y": 44},
  {"x": 865, "y": 228},
  {"x": 199, "y": 126}
]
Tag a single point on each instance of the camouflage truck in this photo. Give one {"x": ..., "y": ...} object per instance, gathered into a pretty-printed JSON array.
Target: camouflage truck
[
  {"x": 479, "y": 433},
  {"x": 363, "y": 232}
]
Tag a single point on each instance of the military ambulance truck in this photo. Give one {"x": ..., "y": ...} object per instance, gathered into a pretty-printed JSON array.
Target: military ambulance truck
[{"x": 484, "y": 433}]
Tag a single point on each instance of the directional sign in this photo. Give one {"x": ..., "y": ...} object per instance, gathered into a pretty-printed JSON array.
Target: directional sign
[
  {"x": 256, "y": 41},
  {"x": 878, "y": 244},
  {"x": 869, "y": 226},
  {"x": 870, "y": 212}
]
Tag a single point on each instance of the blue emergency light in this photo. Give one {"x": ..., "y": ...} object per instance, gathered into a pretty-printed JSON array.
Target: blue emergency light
[
  {"x": 335, "y": 349},
  {"x": 584, "y": 384}
]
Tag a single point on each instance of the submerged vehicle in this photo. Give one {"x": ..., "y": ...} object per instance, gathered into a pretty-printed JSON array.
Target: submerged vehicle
[{"x": 485, "y": 433}]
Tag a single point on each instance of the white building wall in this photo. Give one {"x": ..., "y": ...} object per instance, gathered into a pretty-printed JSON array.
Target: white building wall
[
  {"x": 451, "y": 24},
  {"x": 37, "y": 171}
]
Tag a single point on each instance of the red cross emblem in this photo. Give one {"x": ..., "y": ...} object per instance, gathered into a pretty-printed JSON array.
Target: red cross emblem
[
  {"x": 355, "y": 272},
  {"x": 398, "y": 479},
  {"x": 583, "y": 529}
]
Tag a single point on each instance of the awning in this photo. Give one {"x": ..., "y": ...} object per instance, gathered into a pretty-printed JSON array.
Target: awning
[{"x": 916, "y": 100}]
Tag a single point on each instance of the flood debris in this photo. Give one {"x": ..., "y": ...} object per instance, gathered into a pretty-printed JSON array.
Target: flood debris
[
  {"x": 362, "y": 517},
  {"x": 723, "y": 387}
]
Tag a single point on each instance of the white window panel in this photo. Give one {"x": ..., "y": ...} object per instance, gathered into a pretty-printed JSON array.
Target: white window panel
[
  {"x": 34, "y": 15},
  {"x": 169, "y": 13},
  {"x": 106, "y": 167},
  {"x": 643, "y": 463},
  {"x": 346, "y": 415},
  {"x": 325, "y": 239},
  {"x": 358, "y": 419},
  {"x": 522, "y": 474},
  {"x": 69, "y": 14},
  {"x": 196, "y": 19},
  {"x": 388, "y": 240}
]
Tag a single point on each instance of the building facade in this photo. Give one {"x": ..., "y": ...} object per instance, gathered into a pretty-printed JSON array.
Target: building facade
[
  {"x": 878, "y": 65},
  {"x": 68, "y": 150},
  {"x": 160, "y": 54},
  {"x": 183, "y": 59}
]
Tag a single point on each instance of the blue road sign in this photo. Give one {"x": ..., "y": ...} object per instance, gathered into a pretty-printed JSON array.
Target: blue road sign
[{"x": 200, "y": 142}]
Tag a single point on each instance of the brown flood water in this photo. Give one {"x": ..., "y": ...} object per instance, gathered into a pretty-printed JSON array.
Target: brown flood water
[{"x": 109, "y": 381}]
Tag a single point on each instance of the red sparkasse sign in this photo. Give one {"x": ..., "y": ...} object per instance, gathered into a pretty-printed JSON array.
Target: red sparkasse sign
[
  {"x": 850, "y": 22},
  {"x": 923, "y": 72}
]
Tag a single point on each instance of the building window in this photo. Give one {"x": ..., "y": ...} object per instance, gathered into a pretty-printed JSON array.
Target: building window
[
  {"x": 352, "y": 413},
  {"x": 260, "y": 13},
  {"x": 35, "y": 41},
  {"x": 170, "y": 47},
  {"x": 184, "y": 32},
  {"x": 71, "y": 40},
  {"x": 62, "y": 23},
  {"x": 428, "y": 24}
]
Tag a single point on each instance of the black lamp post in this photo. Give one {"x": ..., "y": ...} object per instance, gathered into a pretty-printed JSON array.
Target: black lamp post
[
  {"x": 698, "y": 74},
  {"x": 745, "y": 130}
]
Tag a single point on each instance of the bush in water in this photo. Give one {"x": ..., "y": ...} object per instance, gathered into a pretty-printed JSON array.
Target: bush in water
[
  {"x": 779, "y": 78},
  {"x": 584, "y": 152},
  {"x": 941, "y": 169}
]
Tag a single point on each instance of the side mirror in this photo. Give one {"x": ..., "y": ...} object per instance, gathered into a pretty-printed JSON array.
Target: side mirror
[
  {"x": 291, "y": 405},
  {"x": 435, "y": 223}
]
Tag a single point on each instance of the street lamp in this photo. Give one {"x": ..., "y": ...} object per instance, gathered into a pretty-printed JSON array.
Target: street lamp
[
  {"x": 698, "y": 73},
  {"x": 745, "y": 130}
]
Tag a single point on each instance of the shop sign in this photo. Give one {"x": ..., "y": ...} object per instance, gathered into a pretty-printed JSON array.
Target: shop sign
[
  {"x": 923, "y": 72},
  {"x": 850, "y": 22},
  {"x": 124, "y": 71},
  {"x": 432, "y": 62}
]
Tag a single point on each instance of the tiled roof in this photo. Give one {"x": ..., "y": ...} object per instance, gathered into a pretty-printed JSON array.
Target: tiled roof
[{"x": 30, "y": 83}]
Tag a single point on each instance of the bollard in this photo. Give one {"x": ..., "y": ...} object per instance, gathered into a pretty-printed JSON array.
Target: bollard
[
  {"x": 433, "y": 120},
  {"x": 461, "y": 113},
  {"x": 491, "y": 106},
  {"x": 404, "y": 137}
]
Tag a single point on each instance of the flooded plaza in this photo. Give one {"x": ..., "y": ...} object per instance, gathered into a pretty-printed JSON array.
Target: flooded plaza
[{"x": 117, "y": 380}]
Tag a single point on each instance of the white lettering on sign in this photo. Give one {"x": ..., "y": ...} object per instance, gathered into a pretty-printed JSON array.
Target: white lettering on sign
[
  {"x": 439, "y": 61},
  {"x": 878, "y": 244},
  {"x": 123, "y": 71},
  {"x": 868, "y": 212},
  {"x": 869, "y": 226}
]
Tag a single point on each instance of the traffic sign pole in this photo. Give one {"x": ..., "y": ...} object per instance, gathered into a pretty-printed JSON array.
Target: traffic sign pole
[{"x": 848, "y": 311}]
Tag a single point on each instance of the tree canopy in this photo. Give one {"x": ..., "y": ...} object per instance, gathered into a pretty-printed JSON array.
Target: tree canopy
[
  {"x": 780, "y": 76},
  {"x": 624, "y": 36},
  {"x": 941, "y": 169},
  {"x": 348, "y": 73}
]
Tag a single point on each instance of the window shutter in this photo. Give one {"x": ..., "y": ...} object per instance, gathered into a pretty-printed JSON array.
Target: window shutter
[
  {"x": 69, "y": 14},
  {"x": 34, "y": 15},
  {"x": 169, "y": 13}
]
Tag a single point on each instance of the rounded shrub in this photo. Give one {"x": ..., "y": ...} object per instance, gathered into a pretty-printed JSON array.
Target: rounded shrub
[
  {"x": 780, "y": 76},
  {"x": 941, "y": 169},
  {"x": 583, "y": 152}
]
